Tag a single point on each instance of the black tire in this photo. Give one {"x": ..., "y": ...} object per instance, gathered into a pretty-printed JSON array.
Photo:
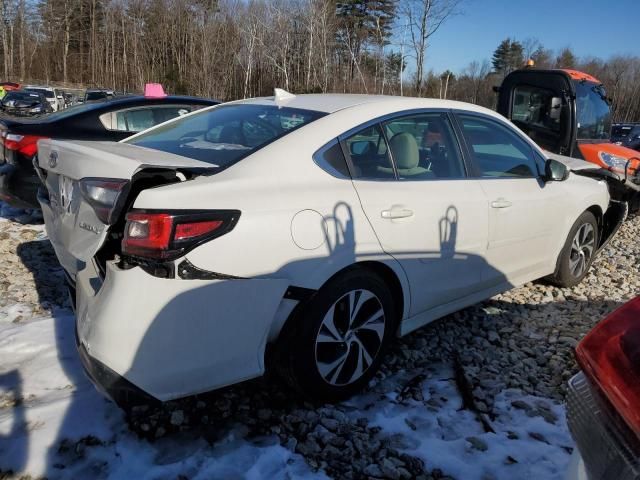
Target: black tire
[
  {"x": 304, "y": 350},
  {"x": 576, "y": 257}
]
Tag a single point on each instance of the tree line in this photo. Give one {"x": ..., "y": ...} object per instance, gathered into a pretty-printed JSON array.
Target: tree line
[{"x": 230, "y": 49}]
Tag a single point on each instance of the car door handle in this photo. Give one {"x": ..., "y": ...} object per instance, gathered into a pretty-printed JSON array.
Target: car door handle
[
  {"x": 397, "y": 213},
  {"x": 501, "y": 203}
]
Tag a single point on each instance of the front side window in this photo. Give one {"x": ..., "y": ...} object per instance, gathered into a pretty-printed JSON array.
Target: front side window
[
  {"x": 423, "y": 147},
  {"x": 592, "y": 112},
  {"x": 498, "y": 152},
  {"x": 536, "y": 114},
  {"x": 224, "y": 135},
  {"x": 369, "y": 155},
  {"x": 532, "y": 107}
]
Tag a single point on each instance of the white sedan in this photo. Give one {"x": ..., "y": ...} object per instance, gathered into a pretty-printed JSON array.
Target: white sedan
[{"x": 318, "y": 225}]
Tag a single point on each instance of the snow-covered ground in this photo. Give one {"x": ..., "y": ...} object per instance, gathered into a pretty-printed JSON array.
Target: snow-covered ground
[
  {"x": 53, "y": 423},
  {"x": 411, "y": 423}
]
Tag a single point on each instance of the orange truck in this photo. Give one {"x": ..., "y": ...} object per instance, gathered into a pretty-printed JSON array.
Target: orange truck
[{"x": 567, "y": 112}]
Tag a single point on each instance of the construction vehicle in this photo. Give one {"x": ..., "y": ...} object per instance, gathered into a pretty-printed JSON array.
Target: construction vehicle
[{"x": 567, "y": 112}]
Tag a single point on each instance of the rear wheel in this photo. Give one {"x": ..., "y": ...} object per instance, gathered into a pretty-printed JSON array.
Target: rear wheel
[
  {"x": 578, "y": 252},
  {"x": 339, "y": 337}
]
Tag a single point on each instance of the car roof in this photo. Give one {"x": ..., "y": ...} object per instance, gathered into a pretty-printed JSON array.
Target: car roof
[
  {"x": 333, "y": 102},
  {"x": 120, "y": 100}
]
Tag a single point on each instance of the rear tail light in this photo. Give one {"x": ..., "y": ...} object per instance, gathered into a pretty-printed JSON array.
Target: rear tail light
[
  {"x": 168, "y": 235},
  {"x": 105, "y": 195},
  {"x": 27, "y": 145},
  {"x": 610, "y": 356}
]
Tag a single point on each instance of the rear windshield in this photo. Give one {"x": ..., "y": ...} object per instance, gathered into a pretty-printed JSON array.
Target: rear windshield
[{"x": 224, "y": 135}]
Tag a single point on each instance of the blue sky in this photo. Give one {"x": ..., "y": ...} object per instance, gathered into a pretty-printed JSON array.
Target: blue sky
[{"x": 589, "y": 27}]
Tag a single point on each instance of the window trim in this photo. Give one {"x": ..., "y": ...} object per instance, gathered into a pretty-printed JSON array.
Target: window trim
[{"x": 468, "y": 151}]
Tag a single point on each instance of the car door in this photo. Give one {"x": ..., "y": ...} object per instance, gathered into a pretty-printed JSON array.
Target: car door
[
  {"x": 523, "y": 208},
  {"x": 411, "y": 179}
]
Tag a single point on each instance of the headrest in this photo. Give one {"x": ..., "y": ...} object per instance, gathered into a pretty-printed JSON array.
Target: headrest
[{"x": 405, "y": 150}]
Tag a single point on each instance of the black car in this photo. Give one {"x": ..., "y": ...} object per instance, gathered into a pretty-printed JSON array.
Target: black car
[
  {"x": 22, "y": 103},
  {"x": 110, "y": 120},
  {"x": 626, "y": 134},
  {"x": 98, "y": 95}
]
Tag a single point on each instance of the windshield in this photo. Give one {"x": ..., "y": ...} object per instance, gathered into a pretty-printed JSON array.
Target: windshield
[
  {"x": 592, "y": 111},
  {"x": 47, "y": 93},
  {"x": 224, "y": 135},
  {"x": 21, "y": 96},
  {"x": 96, "y": 96}
]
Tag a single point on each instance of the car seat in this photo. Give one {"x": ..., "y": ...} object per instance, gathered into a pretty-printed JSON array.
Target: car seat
[{"x": 406, "y": 154}]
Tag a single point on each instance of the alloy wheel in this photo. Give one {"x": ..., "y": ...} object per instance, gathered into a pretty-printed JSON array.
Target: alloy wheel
[
  {"x": 350, "y": 337},
  {"x": 582, "y": 248}
]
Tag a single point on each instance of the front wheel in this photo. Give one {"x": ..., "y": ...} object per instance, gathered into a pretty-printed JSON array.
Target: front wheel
[
  {"x": 578, "y": 252},
  {"x": 338, "y": 339}
]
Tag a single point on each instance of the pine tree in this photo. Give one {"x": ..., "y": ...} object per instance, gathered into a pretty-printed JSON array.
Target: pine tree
[
  {"x": 508, "y": 56},
  {"x": 566, "y": 59},
  {"x": 362, "y": 23}
]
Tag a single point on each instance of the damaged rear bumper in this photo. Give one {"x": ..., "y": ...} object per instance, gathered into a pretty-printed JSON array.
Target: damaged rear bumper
[{"x": 170, "y": 338}]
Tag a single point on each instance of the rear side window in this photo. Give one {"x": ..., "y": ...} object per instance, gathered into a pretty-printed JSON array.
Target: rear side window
[
  {"x": 423, "y": 147},
  {"x": 331, "y": 159},
  {"x": 498, "y": 152},
  {"x": 139, "y": 119},
  {"x": 369, "y": 156},
  {"x": 224, "y": 135}
]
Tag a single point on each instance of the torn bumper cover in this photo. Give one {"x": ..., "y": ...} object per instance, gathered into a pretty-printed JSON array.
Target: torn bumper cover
[
  {"x": 612, "y": 221},
  {"x": 170, "y": 338}
]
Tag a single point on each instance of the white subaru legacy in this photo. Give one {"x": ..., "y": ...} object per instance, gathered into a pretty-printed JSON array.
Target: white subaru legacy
[{"x": 316, "y": 227}]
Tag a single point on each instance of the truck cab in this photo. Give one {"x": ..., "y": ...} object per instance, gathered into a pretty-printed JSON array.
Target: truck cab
[{"x": 567, "y": 112}]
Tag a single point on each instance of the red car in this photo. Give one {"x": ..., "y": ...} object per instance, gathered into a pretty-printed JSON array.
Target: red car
[
  {"x": 8, "y": 86},
  {"x": 603, "y": 405}
]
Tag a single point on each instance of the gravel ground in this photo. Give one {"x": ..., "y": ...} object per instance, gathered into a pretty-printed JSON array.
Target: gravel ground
[{"x": 521, "y": 341}]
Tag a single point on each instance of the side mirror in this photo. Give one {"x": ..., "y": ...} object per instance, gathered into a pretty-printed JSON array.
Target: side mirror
[
  {"x": 556, "y": 108},
  {"x": 555, "y": 171},
  {"x": 360, "y": 147}
]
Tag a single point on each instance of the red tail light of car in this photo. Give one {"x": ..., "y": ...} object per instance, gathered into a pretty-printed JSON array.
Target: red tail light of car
[
  {"x": 167, "y": 235},
  {"x": 27, "y": 145},
  {"x": 610, "y": 356}
]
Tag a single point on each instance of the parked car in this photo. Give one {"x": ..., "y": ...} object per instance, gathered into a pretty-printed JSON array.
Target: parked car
[
  {"x": 70, "y": 99},
  {"x": 98, "y": 95},
  {"x": 10, "y": 86},
  {"x": 603, "y": 404},
  {"x": 25, "y": 104},
  {"x": 321, "y": 225},
  {"x": 111, "y": 120},
  {"x": 49, "y": 92},
  {"x": 627, "y": 135}
]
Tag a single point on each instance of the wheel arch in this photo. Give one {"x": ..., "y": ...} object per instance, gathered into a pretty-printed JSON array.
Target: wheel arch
[{"x": 394, "y": 278}]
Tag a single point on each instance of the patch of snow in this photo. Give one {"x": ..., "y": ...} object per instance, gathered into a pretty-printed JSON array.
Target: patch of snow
[
  {"x": 446, "y": 436},
  {"x": 46, "y": 402}
]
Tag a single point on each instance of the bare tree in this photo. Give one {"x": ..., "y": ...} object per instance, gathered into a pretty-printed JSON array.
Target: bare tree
[{"x": 425, "y": 17}]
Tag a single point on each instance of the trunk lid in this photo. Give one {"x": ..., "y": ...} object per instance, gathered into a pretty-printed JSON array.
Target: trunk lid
[{"x": 75, "y": 227}]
